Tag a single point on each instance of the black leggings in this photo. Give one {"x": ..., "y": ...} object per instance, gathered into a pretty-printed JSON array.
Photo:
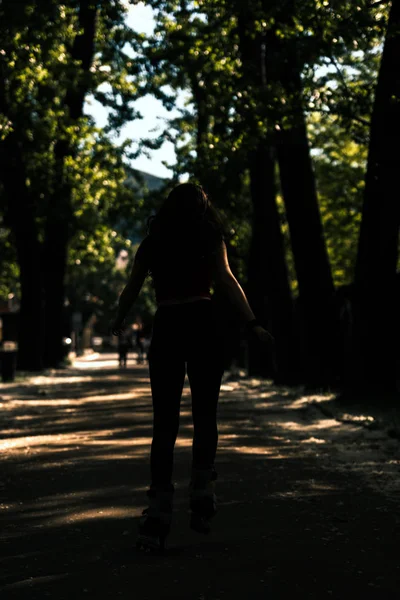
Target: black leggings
[{"x": 184, "y": 334}]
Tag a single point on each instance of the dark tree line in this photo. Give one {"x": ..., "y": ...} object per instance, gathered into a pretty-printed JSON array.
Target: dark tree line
[
  {"x": 258, "y": 105},
  {"x": 274, "y": 90},
  {"x": 52, "y": 58}
]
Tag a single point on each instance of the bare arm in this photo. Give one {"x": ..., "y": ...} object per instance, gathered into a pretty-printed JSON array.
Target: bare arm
[
  {"x": 226, "y": 280},
  {"x": 131, "y": 290}
]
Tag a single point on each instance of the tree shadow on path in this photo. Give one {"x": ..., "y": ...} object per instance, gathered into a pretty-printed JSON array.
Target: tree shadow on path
[{"x": 301, "y": 510}]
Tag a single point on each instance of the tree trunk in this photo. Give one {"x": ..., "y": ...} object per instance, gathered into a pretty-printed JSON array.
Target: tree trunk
[
  {"x": 200, "y": 168},
  {"x": 31, "y": 314},
  {"x": 316, "y": 304},
  {"x": 59, "y": 223},
  {"x": 54, "y": 270},
  {"x": 268, "y": 284},
  {"x": 376, "y": 315},
  {"x": 20, "y": 217}
]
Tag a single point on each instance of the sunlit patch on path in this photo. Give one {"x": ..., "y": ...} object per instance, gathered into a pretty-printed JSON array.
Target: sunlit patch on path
[{"x": 296, "y": 488}]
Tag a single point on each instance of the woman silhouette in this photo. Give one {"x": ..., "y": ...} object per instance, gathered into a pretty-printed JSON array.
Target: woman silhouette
[{"x": 185, "y": 253}]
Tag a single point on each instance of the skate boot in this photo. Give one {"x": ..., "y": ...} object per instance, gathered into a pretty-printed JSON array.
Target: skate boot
[
  {"x": 155, "y": 524},
  {"x": 203, "y": 501}
]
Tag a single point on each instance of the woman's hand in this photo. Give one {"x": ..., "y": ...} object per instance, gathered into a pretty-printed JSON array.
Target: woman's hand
[
  {"x": 118, "y": 326},
  {"x": 263, "y": 335}
]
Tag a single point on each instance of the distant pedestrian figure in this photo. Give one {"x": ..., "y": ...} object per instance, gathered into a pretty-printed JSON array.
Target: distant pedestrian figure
[
  {"x": 124, "y": 345},
  {"x": 140, "y": 344},
  {"x": 185, "y": 253}
]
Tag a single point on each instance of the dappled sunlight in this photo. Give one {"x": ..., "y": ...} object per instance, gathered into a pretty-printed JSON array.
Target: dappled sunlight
[
  {"x": 111, "y": 456},
  {"x": 287, "y": 403},
  {"x": 130, "y": 446},
  {"x": 49, "y": 381},
  {"x": 285, "y": 113},
  {"x": 301, "y": 402},
  {"x": 229, "y": 387},
  {"x": 305, "y": 488},
  {"x": 10, "y": 404},
  {"x": 100, "y": 364},
  {"x": 265, "y": 405},
  {"x": 24, "y": 417},
  {"x": 320, "y": 424},
  {"x": 95, "y": 513},
  {"x": 355, "y": 418},
  {"x": 64, "y": 441},
  {"x": 53, "y": 501},
  {"x": 57, "y": 418},
  {"x": 107, "y": 435},
  {"x": 269, "y": 394},
  {"x": 305, "y": 401},
  {"x": 78, "y": 516},
  {"x": 185, "y": 414},
  {"x": 11, "y": 431},
  {"x": 85, "y": 431},
  {"x": 253, "y": 450},
  {"x": 71, "y": 508},
  {"x": 26, "y": 443},
  {"x": 247, "y": 448},
  {"x": 183, "y": 442}
]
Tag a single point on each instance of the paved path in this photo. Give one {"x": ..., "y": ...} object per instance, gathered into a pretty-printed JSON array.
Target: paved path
[{"x": 308, "y": 506}]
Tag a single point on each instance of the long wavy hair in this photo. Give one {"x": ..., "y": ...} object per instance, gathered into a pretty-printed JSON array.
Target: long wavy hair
[{"x": 186, "y": 228}]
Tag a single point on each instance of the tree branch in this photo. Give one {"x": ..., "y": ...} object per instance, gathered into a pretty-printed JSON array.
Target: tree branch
[{"x": 348, "y": 93}]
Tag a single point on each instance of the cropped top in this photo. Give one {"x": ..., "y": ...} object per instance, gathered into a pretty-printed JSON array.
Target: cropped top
[{"x": 174, "y": 281}]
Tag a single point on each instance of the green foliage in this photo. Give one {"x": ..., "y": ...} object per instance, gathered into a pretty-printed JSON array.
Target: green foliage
[
  {"x": 230, "y": 106},
  {"x": 196, "y": 47},
  {"x": 340, "y": 165},
  {"x": 38, "y": 75},
  {"x": 9, "y": 272}
]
